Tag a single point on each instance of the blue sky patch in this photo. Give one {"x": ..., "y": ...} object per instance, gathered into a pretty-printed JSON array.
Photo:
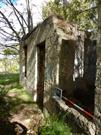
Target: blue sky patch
[{"x": 2, "y": 3}]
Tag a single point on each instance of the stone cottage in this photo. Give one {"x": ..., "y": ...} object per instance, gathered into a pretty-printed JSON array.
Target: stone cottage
[{"x": 57, "y": 56}]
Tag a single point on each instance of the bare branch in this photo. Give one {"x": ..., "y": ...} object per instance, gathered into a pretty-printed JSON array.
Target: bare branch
[
  {"x": 7, "y": 32},
  {"x": 29, "y": 16},
  {"x": 19, "y": 22},
  {"x": 8, "y": 22},
  {"x": 12, "y": 5},
  {"x": 10, "y": 26},
  {"x": 10, "y": 46}
]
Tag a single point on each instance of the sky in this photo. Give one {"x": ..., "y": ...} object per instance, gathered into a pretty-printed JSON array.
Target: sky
[{"x": 36, "y": 6}]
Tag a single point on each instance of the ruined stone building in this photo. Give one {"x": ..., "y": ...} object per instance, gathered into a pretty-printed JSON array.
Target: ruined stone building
[{"x": 55, "y": 55}]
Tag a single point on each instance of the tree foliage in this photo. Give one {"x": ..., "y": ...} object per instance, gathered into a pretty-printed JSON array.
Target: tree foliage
[
  {"x": 81, "y": 12},
  {"x": 9, "y": 51}
]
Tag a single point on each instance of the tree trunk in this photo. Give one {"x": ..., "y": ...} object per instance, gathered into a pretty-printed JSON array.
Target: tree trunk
[{"x": 29, "y": 16}]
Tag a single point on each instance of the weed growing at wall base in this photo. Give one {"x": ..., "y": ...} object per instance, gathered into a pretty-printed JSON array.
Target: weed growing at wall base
[{"x": 55, "y": 126}]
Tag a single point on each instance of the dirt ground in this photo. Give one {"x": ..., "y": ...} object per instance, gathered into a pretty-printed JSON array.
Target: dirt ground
[{"x": 26, "y": 120}]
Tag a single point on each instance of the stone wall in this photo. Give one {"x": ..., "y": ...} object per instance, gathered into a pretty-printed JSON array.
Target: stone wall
[
  {"x": 58, "y": 44},
  {"x": 46, "y": 33},
  {"x": 80, "y": 124},
  {"x": 98, "y": 74}
]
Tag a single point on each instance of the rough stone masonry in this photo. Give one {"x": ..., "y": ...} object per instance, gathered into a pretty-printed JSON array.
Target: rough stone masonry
[{"x": 57, "y": 54}]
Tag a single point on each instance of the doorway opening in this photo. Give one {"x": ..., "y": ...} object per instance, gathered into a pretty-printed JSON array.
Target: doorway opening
[
  {"x": 78, "y": 72},
  {"x": 41, "y": 69}
]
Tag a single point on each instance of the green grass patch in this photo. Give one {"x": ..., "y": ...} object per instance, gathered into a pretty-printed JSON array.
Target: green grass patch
[
  {"x": 10, "y": 84},
  {"x": 6, "y": 79},
  {"x": 55, "y": 126},
  {"x": 21, "y": 93},
  {"x": 12, "y": 94}
]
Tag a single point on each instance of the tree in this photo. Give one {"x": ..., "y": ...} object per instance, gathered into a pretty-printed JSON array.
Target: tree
[
  {"x": 11, "y": 35},
  {"x": 83, "y": 13},
  {"x": 14, "y": 24},
  {"x": 9, "y": 63}
]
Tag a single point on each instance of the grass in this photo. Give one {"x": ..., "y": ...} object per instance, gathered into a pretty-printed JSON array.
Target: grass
[
  {"x": 55, "y": 126},
  {"x": 21, "y": 93},
  {"x": 12, "y": 95},
  {"x": 6, "y": 79}
]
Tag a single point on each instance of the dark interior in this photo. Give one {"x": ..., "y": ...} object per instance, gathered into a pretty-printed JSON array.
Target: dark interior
[
  {"x": 41, "y": 68},
  {"x": 83, "y": 76},
  {"x": 85, "y": 86}
]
